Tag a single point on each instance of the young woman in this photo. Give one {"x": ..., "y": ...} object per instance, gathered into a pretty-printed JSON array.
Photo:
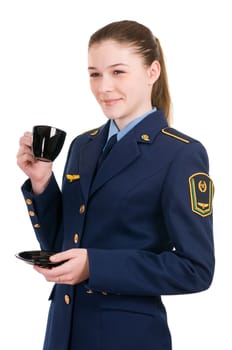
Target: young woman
[{"x": 131, "y": 227}]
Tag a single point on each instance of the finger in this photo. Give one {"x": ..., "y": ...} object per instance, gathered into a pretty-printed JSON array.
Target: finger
[
  {"x": 51, "y": 275},
  {"x": 66, "y": 255},
  {"x": 23, "y": 149},
  {"x": 25, "y": 159},
  {"x": 28, "y": 133},
  {"x": 26, "y": 139}
]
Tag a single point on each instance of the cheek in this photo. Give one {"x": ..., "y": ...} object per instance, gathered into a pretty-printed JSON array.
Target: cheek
[{"x": 93, "y": 87}]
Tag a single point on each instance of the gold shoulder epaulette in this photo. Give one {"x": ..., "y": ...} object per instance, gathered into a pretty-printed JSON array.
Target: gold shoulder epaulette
[
  {"x": 176, "y": 135},
  {"x": 92, "y": 132}
]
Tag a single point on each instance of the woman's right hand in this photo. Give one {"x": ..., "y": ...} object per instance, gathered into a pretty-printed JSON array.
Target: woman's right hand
[{"x": 38, "y": 171}]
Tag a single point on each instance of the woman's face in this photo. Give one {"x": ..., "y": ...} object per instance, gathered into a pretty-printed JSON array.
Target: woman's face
[{"x": 120, "y": 81}]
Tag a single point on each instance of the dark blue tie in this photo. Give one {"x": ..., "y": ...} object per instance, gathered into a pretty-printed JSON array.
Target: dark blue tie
[{"x": 110, "y": 143}]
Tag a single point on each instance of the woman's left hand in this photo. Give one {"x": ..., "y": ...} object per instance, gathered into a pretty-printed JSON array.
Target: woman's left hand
[{"x": 73, "y": 271}]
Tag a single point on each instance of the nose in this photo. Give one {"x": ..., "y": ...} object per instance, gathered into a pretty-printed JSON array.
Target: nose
[{"x": 106, "y": 84}]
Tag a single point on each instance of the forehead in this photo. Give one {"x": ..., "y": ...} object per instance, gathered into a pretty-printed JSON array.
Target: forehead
[{"x": 111, "y": 52}]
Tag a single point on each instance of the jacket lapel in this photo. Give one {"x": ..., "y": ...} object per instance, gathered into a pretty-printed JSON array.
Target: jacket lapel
[
  {"x": 89, "y": 156},
  {"x": 122, "y": 154}
]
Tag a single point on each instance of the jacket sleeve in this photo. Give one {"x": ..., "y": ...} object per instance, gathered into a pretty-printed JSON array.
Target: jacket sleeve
[
  {"x": 45, "y": 214},
  {"x": 188, "y": 266}
]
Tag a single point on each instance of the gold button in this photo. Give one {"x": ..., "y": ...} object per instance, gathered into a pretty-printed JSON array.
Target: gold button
[
  {"x": 76, "y": 238},
  {"x": 31, "y": 213},
  {"x": 37, "y": 225},
  {"x": 28, "y": 201},
  {"x": 82, "y": 209},
  {"x": 67, "y": 299},
  {"x": 89, "y": 291}
]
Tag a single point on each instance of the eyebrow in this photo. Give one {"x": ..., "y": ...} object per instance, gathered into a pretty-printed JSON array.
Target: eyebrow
[{"x": 112, "y": 66}]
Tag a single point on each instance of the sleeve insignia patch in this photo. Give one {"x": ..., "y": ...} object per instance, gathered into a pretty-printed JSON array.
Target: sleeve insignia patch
[{"x": 201, "y": 194}]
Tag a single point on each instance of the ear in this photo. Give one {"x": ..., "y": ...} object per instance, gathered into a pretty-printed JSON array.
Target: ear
[{"x": 154, "y": 72}]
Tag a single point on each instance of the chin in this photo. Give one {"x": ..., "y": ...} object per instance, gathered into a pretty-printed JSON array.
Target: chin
[{"x": 110, "y": 116}]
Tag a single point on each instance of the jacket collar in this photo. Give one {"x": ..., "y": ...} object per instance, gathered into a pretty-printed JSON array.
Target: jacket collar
[{"x": 125, "y": 152}]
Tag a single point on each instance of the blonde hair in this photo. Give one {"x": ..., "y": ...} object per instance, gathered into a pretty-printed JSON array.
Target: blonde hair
[{"x": 148, "y": 46}]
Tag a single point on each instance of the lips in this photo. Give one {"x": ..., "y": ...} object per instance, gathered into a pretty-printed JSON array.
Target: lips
[{"x": 110, "y": 102}]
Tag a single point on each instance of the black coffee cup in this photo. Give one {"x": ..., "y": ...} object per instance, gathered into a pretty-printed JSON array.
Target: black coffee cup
[{"x": 47, "y": 142}]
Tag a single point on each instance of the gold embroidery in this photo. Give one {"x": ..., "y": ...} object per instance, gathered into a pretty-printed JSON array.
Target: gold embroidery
[
  {"x": 72, "y": 177},
  {"x": 145, "y": 137},
  {"x": 203, "y": 205},
  {"x": 202, "y": 186}
]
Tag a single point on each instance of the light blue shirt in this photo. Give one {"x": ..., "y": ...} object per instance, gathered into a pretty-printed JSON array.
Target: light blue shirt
[{"x": 121, "y": 133}]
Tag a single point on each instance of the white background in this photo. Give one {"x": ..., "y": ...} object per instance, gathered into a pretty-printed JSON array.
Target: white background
[{"x": 43, "y": 79}]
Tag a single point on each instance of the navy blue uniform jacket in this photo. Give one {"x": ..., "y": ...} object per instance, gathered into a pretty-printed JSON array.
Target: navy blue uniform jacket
[{"x": 146, "y": 220}]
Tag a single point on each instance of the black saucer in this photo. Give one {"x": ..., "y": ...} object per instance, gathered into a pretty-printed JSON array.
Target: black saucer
[{"x": 38, "y": 257}]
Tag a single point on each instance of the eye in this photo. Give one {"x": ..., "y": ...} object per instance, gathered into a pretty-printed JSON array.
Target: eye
[
  {"x": 94, "y": 75},
  {"x": 117, "y": 72}
]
